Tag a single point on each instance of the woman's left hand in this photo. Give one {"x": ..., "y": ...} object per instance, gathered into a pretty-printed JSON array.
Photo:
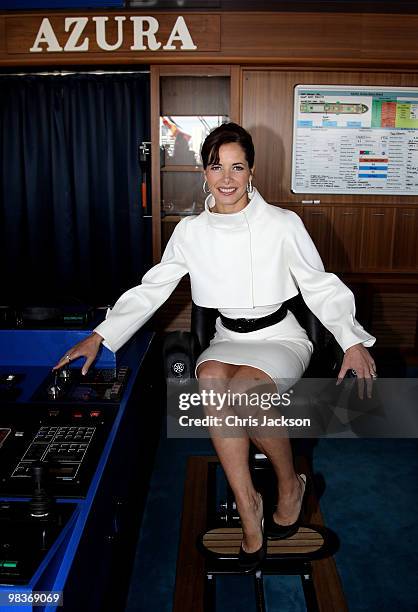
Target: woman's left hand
[{"x": 358, "y": 359}]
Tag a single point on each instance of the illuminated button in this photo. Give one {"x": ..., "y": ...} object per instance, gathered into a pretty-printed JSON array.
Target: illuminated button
[
  {"x": 78, "y": 415},
  {"x": 95, "y": 413},
  {"x": 9, "y": 563}
]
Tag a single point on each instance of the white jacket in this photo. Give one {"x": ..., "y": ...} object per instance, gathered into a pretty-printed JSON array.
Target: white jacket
[{"x": 256, "y": 257}]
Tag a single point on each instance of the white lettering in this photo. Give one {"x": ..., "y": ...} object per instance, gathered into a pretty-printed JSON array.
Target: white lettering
[
  {"x": 140, "y": 33},
  {"x": 101, "y": 33},
  {"x": 45, "y": 35},
  {"x": 144, "y": 38},
  {"x": 180, "y": 32},
  {"x": 80, "y": 24}
]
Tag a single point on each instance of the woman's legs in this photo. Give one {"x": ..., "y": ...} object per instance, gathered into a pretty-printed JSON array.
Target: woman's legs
[
  {"x": 278, "y": 450},
  {"x": 233, "y": 453}
]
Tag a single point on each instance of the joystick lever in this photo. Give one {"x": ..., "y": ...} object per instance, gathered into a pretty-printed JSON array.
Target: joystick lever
[
  {"x": 41, "y": 503},
  {"x": 54, "y": 390},
  {"x": 62, "y": 378}
]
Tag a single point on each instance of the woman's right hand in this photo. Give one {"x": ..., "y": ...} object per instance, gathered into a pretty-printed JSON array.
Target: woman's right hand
[{"x": 89, "y": 347}]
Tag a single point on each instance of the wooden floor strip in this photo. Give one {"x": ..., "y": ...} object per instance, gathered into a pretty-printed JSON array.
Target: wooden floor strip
[{"x": 189, "y": 588}]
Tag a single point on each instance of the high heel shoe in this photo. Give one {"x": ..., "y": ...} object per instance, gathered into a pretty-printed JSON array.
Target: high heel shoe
[
  {"x": 249, "y": 562},
  {"x": 275, "y": 531}
]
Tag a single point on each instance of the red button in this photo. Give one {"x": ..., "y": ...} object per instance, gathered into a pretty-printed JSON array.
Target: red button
[
  {"x": 95, "y": 413},
  {"x": 78, "y": 415}
]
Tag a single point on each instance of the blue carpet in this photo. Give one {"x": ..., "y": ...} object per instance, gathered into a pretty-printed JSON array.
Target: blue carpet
[{"x": 370, "y": 501}]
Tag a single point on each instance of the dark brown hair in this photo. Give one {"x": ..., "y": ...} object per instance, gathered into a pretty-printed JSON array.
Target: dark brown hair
[{"x": 225, "y": 133}]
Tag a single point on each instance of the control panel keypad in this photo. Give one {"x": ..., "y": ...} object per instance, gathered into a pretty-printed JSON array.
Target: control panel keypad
[{"x": 65, "y": 445}]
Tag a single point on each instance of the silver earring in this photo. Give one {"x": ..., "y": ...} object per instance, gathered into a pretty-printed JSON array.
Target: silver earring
[
  {"x": 250, "y": 187},
  {"x": 205, "y": 184}
]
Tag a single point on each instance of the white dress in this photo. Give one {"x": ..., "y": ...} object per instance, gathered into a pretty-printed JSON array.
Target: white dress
[
  {"x": 244, "y": 264},
  {"x": 282, "y": 350}
]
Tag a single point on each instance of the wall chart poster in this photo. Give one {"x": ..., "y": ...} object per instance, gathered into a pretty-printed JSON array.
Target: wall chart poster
[{"x": 355, "y": 140}]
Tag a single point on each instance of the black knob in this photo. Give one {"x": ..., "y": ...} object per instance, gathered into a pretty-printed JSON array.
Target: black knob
[{"x": 41, "y": 503}]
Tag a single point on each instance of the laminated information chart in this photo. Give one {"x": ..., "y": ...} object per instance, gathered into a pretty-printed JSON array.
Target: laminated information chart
[{"x": 355, "y": 140}]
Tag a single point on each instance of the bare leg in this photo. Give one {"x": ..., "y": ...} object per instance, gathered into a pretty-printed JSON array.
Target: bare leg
[
  {"x": 233, "y": 455},
  {"x": 290, "y": 485},
  {"x": 277, "y": 450}
]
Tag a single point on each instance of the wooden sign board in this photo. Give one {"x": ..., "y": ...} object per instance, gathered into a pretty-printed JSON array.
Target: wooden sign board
[{"x": 112, "y": 33}]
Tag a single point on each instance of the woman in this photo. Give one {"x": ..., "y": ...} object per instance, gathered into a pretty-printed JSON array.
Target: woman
[{"x": 246, "y": 258}]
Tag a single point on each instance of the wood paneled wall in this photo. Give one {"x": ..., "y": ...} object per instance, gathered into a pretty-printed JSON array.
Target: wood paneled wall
[
  {"x": 304, "y": 39},
  {"x": 267, "y": 112}
]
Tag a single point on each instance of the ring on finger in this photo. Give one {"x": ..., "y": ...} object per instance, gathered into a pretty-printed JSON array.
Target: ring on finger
[{"x": 67, "y": 357}]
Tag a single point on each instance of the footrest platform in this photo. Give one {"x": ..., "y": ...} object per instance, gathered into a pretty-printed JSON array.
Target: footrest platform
[{"x": 310, "y": 542}]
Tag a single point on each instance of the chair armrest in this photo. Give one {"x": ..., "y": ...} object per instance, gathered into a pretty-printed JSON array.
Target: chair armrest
[
  {"x": 203, "y": 324},
  {"x": 326, "y": 359},
  {"x": 180, "y": 351},
  {"x": 328, "y": 355}
]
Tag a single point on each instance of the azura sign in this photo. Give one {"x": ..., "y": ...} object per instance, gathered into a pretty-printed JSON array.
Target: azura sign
[{"x": 110, "y": 33}]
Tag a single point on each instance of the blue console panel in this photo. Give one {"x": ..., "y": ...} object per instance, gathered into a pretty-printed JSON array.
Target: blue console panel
[{"x": 92, "y": 522}]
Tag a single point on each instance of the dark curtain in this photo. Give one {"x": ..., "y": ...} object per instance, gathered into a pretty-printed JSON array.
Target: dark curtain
[{"x": 71, "y": 214}]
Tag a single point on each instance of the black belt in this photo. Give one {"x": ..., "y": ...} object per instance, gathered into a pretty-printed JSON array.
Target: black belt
[{"x": 244, "y": 326}]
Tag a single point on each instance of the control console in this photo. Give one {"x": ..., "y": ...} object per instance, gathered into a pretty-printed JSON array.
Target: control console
[
  {"x": 26, "y": 539},
  {"x": 67, "y": 440},
  {"x": 69, "y": 385}
]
